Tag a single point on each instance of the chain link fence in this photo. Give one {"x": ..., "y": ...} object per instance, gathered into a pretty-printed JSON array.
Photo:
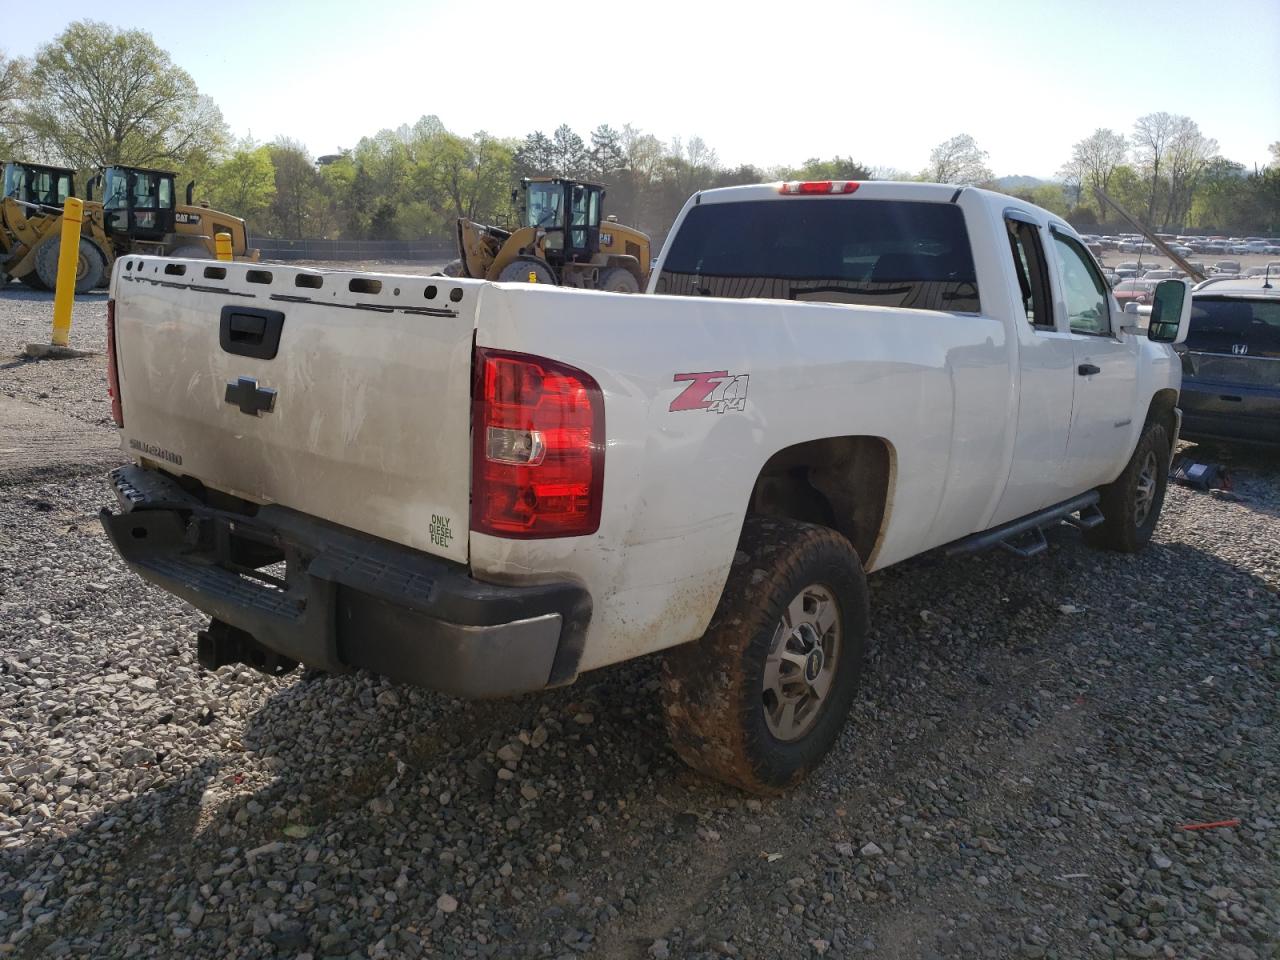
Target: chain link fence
[{"x": 433, "y": 250}]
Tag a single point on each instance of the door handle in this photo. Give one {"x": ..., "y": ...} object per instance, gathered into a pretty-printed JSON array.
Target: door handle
[
  {"x": 250, "y": 332},
  {"x": 1087, "y": 369}
]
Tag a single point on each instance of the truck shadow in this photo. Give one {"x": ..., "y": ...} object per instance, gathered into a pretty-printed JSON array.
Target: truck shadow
[{"x": 363, "y": 802}]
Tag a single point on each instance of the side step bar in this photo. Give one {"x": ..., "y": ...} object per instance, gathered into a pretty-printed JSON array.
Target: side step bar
[{"x": 1031, "y": 528}]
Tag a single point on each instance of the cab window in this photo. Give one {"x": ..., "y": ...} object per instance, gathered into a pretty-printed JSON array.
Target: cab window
[
  {"x": 1033, "y": 278},
  {"x": 1083, "y": 288}
]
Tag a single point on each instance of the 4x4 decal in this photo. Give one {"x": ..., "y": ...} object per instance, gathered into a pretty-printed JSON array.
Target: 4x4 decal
[{"x": 714, "y": 390}]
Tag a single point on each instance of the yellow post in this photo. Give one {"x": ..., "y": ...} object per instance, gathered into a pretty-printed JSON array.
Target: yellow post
[
  {"x": 222, "y": 243},
  {"x": 68, "y": 261}
]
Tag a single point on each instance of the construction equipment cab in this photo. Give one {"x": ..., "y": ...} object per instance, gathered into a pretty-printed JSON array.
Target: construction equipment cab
[
  {"x": 561, "y": 239},
  {"x": 38, "y": 184},
  {"x": 143, "y": 216},
  {"x": 31, "y": 207}
]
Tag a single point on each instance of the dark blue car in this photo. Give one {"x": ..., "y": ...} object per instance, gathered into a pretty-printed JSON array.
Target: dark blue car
[{"x": 1231, "y": 362}]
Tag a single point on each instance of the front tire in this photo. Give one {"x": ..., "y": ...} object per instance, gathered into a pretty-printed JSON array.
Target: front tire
[
  {"x": 618, "y": 280},
  {"x": 1131, "y": 504},
  {"x": 191, "y": 251},
  {"x": 759, "y": 700},
  {"x": 91, "y": 267},
  {"x": 527, "y": 270}
]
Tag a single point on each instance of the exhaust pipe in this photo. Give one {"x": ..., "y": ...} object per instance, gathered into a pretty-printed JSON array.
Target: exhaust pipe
[
  {"x": 191, "y": 192},
  {"x": 88, "y": 187}
]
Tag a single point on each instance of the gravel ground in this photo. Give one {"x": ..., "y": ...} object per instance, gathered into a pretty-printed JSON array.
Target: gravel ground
[{"x": 1031, "y": 740}]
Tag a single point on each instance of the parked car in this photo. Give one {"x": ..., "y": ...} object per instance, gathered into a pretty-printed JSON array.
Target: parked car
[
  {"x": 491, "y": 488},
  {"x": 1134, "y": 291},
  {"x": 1225, "y": 266},
  {"x": 1181, "y": 249},
  {"x": 1128, "y": 265},
  {"x": 1125, "y": 275},
  {"x": 1231, "y": 362},
  {"x": 1160, "y": 274}
]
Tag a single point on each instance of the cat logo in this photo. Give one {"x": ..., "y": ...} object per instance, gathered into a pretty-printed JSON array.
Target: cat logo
[
  {"x": 187, "y": 217},
  {"x": 606, "y": 239}
]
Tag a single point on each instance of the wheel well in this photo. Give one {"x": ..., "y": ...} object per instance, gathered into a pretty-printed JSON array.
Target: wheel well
[
  {"x": 1161, "y": 410},
  {"x": 837, "y": 482}
]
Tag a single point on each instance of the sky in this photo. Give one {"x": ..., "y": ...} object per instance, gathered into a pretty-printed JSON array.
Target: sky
[{"x": 771, "y": 84}]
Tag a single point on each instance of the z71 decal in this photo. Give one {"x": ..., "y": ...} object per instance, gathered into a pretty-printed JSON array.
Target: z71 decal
[{"x": 716, "y": 390}]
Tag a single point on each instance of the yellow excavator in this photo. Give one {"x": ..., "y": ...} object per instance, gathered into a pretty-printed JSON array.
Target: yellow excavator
[
  {"x": 137, "y": 214},
  {"x": 560, "y": 239}
]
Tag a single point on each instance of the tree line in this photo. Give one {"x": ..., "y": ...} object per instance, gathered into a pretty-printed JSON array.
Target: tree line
[
  {"x": 98, "y": 95},
  {"x": 1172, "y": 175}
]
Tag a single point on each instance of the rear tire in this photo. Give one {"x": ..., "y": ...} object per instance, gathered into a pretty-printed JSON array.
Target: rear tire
[
  {"x": 1131, "y": 504},
  {"x": 760, "y": 699},
  {"x": 527, "y": 270},
  {"x": 618, "y": 280},
  {"x": 90, "y": 268}
]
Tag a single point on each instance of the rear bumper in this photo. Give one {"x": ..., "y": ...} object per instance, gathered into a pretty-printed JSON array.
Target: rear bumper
[{"x": 345, "y": 599}]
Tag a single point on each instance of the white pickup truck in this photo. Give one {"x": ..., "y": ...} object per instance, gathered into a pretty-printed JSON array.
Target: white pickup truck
[{"x": 490, "y": 488}]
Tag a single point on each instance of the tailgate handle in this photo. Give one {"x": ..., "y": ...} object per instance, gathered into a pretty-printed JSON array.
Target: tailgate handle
[{"x": 250, "y": 332}]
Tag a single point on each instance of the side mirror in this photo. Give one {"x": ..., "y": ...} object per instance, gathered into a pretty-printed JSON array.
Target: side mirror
[{"x": 1170, "y": 312}]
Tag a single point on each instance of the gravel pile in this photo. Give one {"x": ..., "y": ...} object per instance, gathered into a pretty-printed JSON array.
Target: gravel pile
[{"x": 1017, "y": 778}]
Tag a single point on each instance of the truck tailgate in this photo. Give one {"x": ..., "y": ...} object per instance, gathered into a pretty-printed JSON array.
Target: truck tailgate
[{"x": 360, "y": 414}]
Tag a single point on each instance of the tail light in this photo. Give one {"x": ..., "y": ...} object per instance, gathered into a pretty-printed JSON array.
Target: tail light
[
  {"x": 811, "y": 187},
  {"x": 113, "y": 371},
  {"x": 537, "y": 447}
]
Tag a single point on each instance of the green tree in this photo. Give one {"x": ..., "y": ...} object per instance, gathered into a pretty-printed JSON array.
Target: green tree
[
  {"x": 837, "y": 168},
  {"x": 534, "y": 157},
  {"x": 1152, "y": 135},
  {"x": 1050, "y": 196},
  {"x": 1187, "y": 159},
  {"x": 606, "y": 157},
  {"x": 473, "y": 174},
  {"x": 100, "y": 95},
  {"x": 568, "y": 153},
  {"x": 245, "y": 183},
  {"x": 1094, "y": 160},
  {"x": 297, "y": 190},
  {"x": 12, "y": 131}
]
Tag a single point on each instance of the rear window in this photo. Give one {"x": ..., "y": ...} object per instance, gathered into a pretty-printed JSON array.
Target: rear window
[
  {"x": 879, "y": 252},
  {"x": 1233, "y": 325}
]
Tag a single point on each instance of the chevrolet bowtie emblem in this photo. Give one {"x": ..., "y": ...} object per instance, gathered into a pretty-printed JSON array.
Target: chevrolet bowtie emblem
[{"x": 251, "y": 398}]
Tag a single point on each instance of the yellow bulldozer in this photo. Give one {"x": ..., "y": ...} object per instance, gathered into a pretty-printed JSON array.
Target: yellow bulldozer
[
  {"x": 560, "y": 239},
  {"x": 137, "y": 214}
]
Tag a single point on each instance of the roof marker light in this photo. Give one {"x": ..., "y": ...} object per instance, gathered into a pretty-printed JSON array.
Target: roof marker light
[{"x": 794, "y": 188}]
